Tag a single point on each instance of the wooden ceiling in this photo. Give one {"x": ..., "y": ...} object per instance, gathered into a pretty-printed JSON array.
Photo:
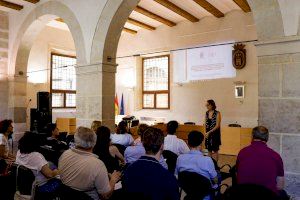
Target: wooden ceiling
[
  {"x": 155, "y": 13},
  {"x": 150, "y": 14}
]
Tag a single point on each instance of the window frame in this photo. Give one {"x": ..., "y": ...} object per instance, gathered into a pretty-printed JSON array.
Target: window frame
[
  {"x": 64, "y": 92},
  {"x": 158, "y": 91}
]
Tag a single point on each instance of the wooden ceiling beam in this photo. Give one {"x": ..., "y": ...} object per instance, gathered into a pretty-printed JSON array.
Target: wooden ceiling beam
[
  {"x": 11, "y": 5},
  {"x": 210, "y": 8},
  {"x": 177, "y": 10},
  {"x": 243, "y": 4},
  {"x": 128, "y": 30},
  {"x": 32, "y": 1},
  {"x": 140, "y": 24},
  {"x": 154, "y": 16}
]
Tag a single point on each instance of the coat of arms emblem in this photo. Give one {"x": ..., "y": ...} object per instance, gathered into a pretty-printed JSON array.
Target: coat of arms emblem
[{"x": 239, "y": 56}]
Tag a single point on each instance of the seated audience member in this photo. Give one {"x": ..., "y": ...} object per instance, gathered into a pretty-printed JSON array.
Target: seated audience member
[
  {"x": 81, "y": 170},
  {"x": 6, "y": 130},
  {"x": 28, "y": 157},
  {"x": 133, "y": 153},
  {"x": 172, "y": 143},
  {"x": 108, "y": 153},
  {"x": 95, "y": 125},
  {"x": 146, "y": 177},
  {"x": 53, "y": 140},
  {"x": 258, "y": 164},
  {"x": 195, "y": 161},
  {"x": 121, "y": 136}
]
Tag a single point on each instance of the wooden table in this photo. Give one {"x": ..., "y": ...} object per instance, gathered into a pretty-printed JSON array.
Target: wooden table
[{"x": 233, "y": 138}]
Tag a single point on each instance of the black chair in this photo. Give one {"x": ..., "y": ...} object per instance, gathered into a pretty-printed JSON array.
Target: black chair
[
  {"x": 121, "y": 148},
  {"x": 66, "y": 193},
  {"x": 249, "y": 192},
  {"x": 24, "y": 179},
  {"x": 8, "y": 187},
  {"x": 171, "y": 159},
  {"x": 234, "y": 125},
  {"x": 189, "y": 123},
  {"x": 194, "y": 185}
]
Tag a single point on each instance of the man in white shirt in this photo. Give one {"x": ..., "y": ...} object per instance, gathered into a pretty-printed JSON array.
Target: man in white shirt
[{"x": 172, "y": 143}]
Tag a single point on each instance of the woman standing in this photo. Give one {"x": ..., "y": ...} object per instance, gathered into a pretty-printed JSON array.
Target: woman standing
[
  {"x": 6, "y": 130},
  {"x": 213, "y": 133}
]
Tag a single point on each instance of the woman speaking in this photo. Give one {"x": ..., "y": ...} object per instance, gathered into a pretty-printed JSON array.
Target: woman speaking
[{"x": 213, "y": 133}]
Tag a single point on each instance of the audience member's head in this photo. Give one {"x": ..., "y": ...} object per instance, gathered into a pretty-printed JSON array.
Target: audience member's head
[
  {"x": 52, "y": 130},
  {"x": 260, "y": 133},
  {"x": 122, "y": 127},
  {"x": 172, "y": 127},
  {"x": 103, "y": 140},
  {"x": 85, "y": 138},
  {"x": 142, "y": 128},
  {"x": 195, "y": 139},
  {"x": 95, "y": 125},
  {"x": 6, "y": 127},
  {"x": 153, "y": 140},
  {"x": 211, "y": 105},
  {"x": 249, "y": 192},
  {"x": 29, "y": 143}
]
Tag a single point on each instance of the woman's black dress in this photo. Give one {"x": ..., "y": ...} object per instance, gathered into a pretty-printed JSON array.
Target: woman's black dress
[{"x": 213, "y": 142}]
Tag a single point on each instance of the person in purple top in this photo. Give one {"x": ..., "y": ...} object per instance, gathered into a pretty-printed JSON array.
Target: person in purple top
[{"x": 258, "y": 164}]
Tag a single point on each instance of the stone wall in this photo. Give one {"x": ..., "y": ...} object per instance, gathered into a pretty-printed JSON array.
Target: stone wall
[
  {"x": 279, "y": 109},
  {"x": 3, "y": 65}
]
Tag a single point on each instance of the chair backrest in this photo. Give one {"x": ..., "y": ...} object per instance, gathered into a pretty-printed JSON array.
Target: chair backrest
[
  {"x": 189, "y": 123},
  {"x": 171, "y": 159},
  {"x": 249, "y": 192},
  {"x": 67, "y": 193},
  {"x": 234, "y": 125},
  {"x": 194, "y": 185},
  {"x": 121, "y": 148},
  {"x": 24, "y": 179}
]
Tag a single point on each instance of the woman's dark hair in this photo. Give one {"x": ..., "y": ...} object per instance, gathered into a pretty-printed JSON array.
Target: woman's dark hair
[
  {"x": 212, "y": 103},
  {"x": 103, "y": 142},
  {"x": 50, "y": 128},
  {"x": 29, "y": 143},
  {"x": 4, "y": 125},
  {"x": 122, "y": 127},
  {"x": 172, "y": 127},
  {"x": 101, "y": 149}
]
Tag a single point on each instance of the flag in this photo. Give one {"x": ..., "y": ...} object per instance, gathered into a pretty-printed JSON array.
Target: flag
[
  {"x": 122, "y": 110},
  {"x": 116, "y": 105}
]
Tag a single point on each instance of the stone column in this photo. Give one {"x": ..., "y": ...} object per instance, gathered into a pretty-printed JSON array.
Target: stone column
[
  {"x": 279, "y": 102},
  {"x": 95, "y": 94}
]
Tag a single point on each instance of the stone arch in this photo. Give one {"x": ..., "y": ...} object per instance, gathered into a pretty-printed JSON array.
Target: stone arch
[
  {"x": 35, "y": 21},
  {"x": 29, "y": 29}
]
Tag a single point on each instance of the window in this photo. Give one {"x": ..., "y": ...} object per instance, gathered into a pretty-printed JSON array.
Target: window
[
  {"x": 156, "y": 93},
  {"x": 63, "y": 81}
]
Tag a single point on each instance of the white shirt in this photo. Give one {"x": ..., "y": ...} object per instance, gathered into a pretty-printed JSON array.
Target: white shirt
[
  {"x": 123, "y": 139},
  {"x": 176, "y": 145},
  {"x": 34, "y": 161},
  {"x": 4, "y": 142}
]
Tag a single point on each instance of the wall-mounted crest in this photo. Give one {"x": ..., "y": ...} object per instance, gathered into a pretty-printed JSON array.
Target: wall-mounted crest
[{"x": 239, "y": 56}]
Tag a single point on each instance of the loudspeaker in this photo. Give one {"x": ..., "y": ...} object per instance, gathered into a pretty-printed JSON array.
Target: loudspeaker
[
  {"x": 34, "y": 120},
  {"x": 44, "y": 102}
]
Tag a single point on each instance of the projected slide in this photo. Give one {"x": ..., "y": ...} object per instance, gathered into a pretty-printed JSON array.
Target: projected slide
[{"x": 203, "y": 64}]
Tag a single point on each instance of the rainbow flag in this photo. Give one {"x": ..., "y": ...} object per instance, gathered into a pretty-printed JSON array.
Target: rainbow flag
[{"x": 116, "y": 105}]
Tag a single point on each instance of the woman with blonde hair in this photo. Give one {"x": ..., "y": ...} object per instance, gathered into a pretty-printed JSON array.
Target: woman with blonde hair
[{"x": 95, "y": 125}]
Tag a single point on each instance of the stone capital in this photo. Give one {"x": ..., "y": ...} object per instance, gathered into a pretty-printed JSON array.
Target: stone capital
[{"x": 96, "y": 68}]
